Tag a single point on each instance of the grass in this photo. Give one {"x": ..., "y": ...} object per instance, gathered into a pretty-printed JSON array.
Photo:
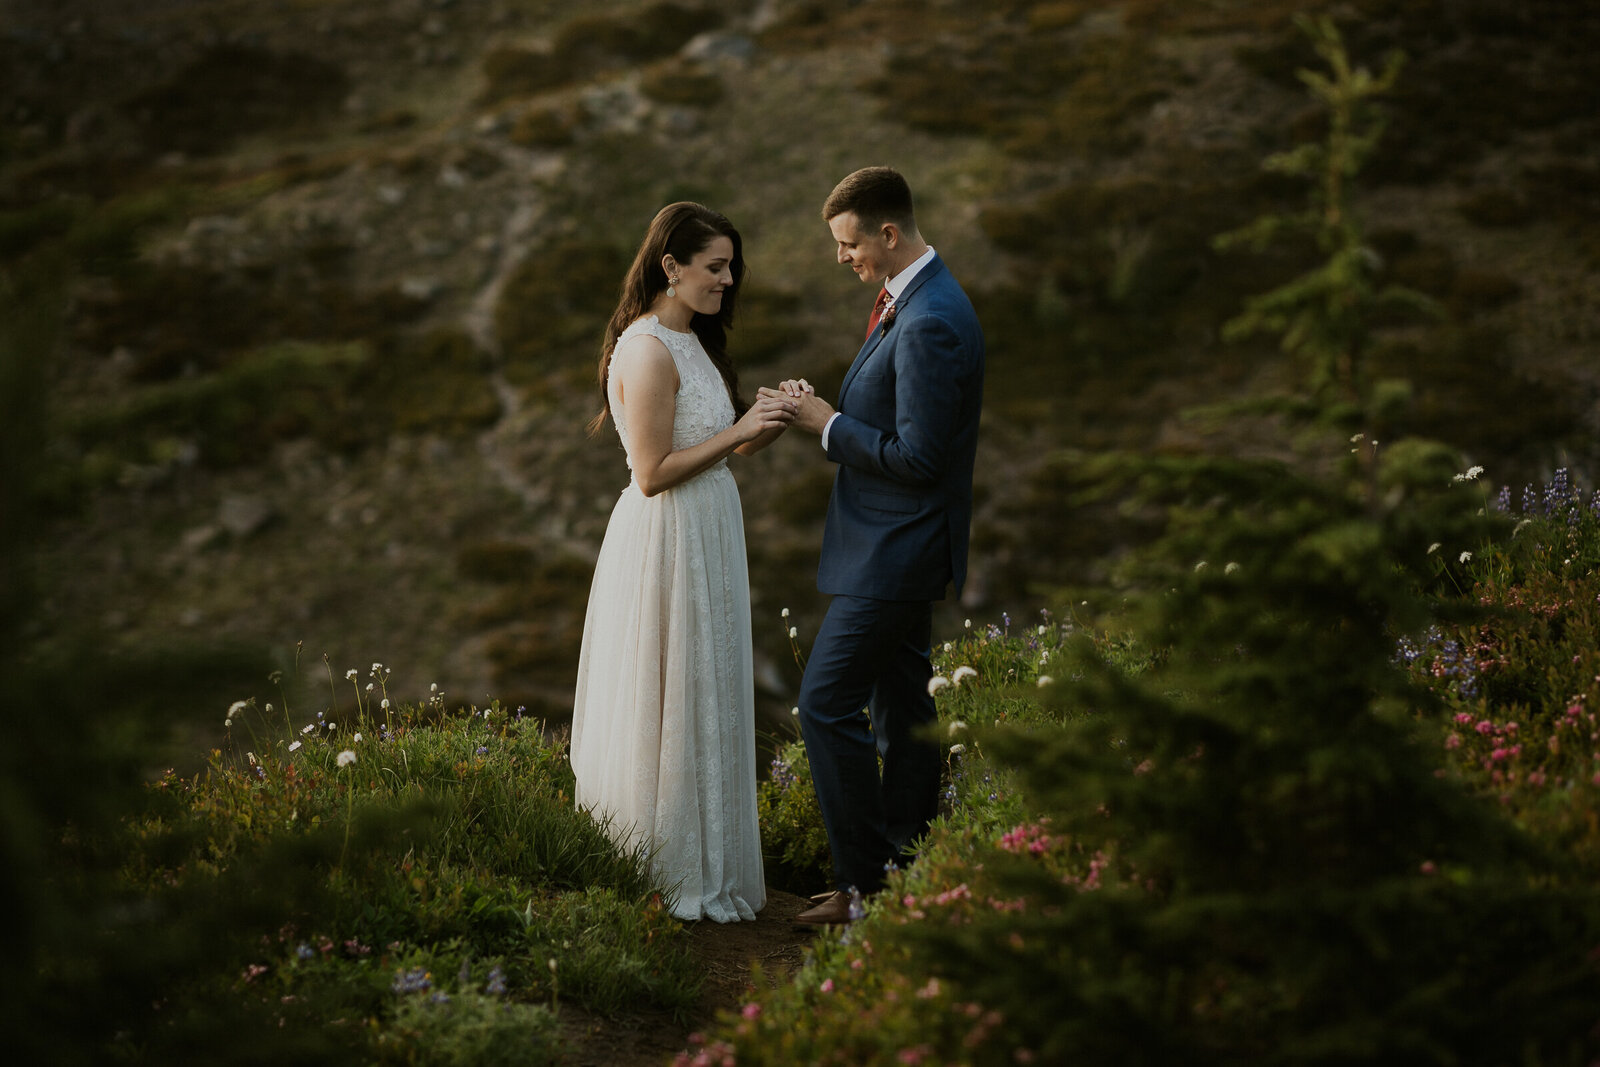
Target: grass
[{"x": 446, "y": 893}]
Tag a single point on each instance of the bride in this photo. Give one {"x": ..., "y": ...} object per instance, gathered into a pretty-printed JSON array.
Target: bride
[{"x": 663, "y": 725}]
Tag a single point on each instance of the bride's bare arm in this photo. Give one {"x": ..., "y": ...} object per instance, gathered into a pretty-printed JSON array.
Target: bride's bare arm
[{"x": 647, "y": 387}]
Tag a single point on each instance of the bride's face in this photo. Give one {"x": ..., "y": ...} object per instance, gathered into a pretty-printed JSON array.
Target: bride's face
[{"x": 703, "y": 280}]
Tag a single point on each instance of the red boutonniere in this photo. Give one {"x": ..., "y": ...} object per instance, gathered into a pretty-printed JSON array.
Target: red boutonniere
[{"x": 888, "y": 316}]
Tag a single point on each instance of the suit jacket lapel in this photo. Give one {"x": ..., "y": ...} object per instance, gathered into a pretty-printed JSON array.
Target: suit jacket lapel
[{"x": 870, "y": 345}]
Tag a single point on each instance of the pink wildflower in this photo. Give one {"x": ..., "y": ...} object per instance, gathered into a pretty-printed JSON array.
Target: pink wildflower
[
  {"x": 827, "y": 985},
  {"x": 751, "y": 1010},
  {"x": 1453, "y": 742}
]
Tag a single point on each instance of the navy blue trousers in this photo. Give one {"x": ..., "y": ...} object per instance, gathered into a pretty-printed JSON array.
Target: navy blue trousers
[{"x": 870, "y": 658}]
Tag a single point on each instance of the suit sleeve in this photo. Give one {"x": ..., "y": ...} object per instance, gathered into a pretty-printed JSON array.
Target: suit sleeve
[{"x": 932, "y": 370}]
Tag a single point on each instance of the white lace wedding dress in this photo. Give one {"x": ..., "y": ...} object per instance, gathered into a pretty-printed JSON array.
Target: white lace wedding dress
[{"x": 663, "y": 724}]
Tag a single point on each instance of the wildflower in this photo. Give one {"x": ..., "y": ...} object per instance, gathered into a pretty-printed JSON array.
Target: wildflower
[
  {"x": 376, "y": 667},
  {"x": 956, "y": 727},
  {"x": 827, "y": 985},
  {"x": 751, "y": 1010},
  {"x": 957, "y": 749},
  {"x": 794, "y": 632},
  {"x": 961, "y": 674},
  {"x": 1433, "y": 548},
  {"x": 350, "y": 675},
  {"x": 795, "y": 712},
  {"x": 308, "y": 728},
  {"x": 1044, "y": 680},
  {"x": 1465, "y": 556},
  {"x": 967, "y": 624},
  {"x": 236, "y": 707},
  {"x": 497, "y": 981},
  {"x": 357, "y": 737},
  {"x": 294, "y": 746},
  {"x": 304, "y": 951},
  {"x": 1041, "y": 630},
  {"x": 1230, "y": 568},
  {"x": 346, "y": 758},
  {"x": 385, "y": 704},
  {"x": 434, "y": 688},
  {"x": 785, "y": 613},
  {"x": 1356, "y": 438},
  {"x": 936, "y": 683},
  {"x": 1198, "y": 567}
]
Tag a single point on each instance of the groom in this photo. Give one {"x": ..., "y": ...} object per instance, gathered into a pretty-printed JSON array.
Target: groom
[{"x": 904, "y": 437}]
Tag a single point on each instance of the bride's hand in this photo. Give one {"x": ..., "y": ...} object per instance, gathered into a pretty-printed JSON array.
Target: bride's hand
[{"x": 771, "y": 411}]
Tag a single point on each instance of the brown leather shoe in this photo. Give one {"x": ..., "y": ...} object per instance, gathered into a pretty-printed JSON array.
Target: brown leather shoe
[{"x": 833, "y": 911}]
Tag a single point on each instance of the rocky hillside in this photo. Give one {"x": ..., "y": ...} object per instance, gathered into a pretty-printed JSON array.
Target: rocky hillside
[{"x": 333, "y": 275}]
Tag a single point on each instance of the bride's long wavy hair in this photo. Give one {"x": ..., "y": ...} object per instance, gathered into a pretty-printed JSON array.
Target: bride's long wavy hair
[{"x": 683, "y": 230}]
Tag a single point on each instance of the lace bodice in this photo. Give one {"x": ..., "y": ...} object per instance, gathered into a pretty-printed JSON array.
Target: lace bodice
[{"x": 703, "y": 406}]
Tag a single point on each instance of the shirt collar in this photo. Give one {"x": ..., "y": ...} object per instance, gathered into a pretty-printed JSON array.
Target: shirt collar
[{"x": 898, "y": 283}]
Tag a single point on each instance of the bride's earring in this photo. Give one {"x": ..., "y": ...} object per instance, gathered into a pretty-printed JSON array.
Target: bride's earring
[{"x": 671, "y": 285}]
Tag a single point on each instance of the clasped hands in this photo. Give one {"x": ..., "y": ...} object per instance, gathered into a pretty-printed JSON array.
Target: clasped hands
[{"x": 811, "y": 413}]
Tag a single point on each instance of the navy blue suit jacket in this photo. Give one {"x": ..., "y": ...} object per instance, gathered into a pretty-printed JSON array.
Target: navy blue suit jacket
[{"x": 907, "y": 433}]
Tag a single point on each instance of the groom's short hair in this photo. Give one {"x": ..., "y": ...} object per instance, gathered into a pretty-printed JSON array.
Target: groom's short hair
[{"x": 877, "y": 195}]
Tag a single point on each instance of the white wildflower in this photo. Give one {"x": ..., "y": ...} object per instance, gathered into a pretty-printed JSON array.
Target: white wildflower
[
  {"x": 309, "y": 727},
  {"x": 1356, "y": 438},
  {"x": 1465, "y": 556},
  {"x": 350, "y": 675},
  {"x": 956, "y": 750},
  {"x": 369, "y": 687},
  {"x": 1231, "y": 568},
  {"x": 357, "y": 737},
  {"x": 956, "y": 727},
  {"x": 795, "y": 712},
  {"x": 294, "y": 746},
  {"x": 346, "y": 758},
  {"x": 961, "y": 674},
  {"x": 794, "y": 632},
  {"x": 1044, "y": 680},
  {"x": 1433, "y": 548},
  {"x": 376, "y": 667},
  {"x": 968, "y": 624},
  {"x": 434, "y": 688},
  {"x": 1473, "y": 472},
  {"x": 785, "y": 613},
  {"x": 269, "y": 709},
  {"x": 1041, "y": 629},
  {"x": 1198, "y": 567},
  {"x": 936, "y": 683},
  {"x": 948, "y": 646},
  {"x": 237, "y": 706},
  {"x": 385, "y": 704}
]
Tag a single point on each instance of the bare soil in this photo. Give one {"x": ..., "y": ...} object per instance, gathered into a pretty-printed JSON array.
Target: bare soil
[{"x": 729, "y": 956}]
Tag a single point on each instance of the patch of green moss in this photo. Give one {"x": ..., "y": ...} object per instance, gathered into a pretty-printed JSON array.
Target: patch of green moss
[
  {"x": 544, "y": 127},
  {"x": 591, "y": 44},
  {"x": 554, "y": 308},
  {"x": 235, "y": 89},
  {"x": 234, "y": 416},
  {"x": 678, "y": 82}
]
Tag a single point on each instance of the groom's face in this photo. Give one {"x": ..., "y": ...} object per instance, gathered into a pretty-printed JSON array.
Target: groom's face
[{"x": 868, "y": 254}]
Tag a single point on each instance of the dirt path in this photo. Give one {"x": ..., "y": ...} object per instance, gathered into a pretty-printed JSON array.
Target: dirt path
[{"x": 726, "y": 953}]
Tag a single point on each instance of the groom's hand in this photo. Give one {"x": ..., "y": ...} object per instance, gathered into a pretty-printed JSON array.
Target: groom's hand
[{"x": 812, "y": 413}]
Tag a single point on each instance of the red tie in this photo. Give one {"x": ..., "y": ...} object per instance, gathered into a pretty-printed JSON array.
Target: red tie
[{"x": 877, "y": 310}]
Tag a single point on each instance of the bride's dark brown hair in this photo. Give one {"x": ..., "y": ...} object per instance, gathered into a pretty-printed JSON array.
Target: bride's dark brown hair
[{"x": 682, "y": 230}]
